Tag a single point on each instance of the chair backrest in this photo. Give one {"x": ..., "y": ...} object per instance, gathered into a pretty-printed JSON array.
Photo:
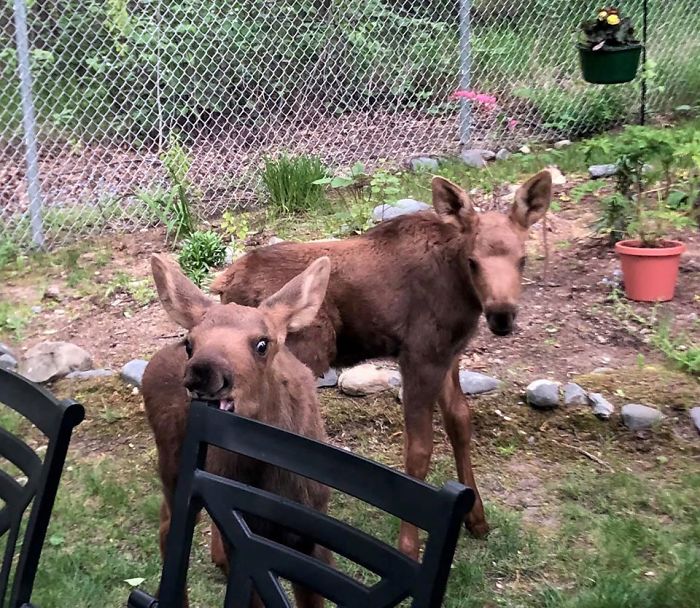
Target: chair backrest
[
  {"x": 440, "y": 512},
  {"x": 36, "y": 482}
]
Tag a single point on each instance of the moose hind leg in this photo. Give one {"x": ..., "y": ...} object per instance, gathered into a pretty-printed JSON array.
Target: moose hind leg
[{"x": 457, "y": 419}]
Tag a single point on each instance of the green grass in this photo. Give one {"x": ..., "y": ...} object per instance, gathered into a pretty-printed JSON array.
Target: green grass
[{"x": 288, "y": 183}]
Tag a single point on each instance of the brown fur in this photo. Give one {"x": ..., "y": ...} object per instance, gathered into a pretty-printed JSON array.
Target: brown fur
[
  {"x": 412, "y": 288},
  {"x": 223, "y": 364}
]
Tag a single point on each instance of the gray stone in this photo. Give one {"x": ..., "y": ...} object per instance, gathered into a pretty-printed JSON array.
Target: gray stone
[
  {"x": 503, "y": 154},
  {"x": 91, "y": 373},
  {"x": 695, "y": 417},
  {"x": 488, "y": 154},
  {"x": 329, "y": 379},
  {"x": 574, "y": 395},
  {"x": 36, "y": 309},
  {"x": 562, "y": 144},
  {"x": 473, "y": 158},
  {"x": 274, "y": 240},
  {"x": 525, "y": 150},
  {"x": 598, "y": 171},
  {"x": 6, "y": 350},
  {"x": 8, "y": 362},
  {"x": 52, "y": 293},
  {"x": 424, "y": 163},
  {"x": 49, "y": 360},
  {"x": 602, "y": 408},
  {"x": 543, "y": 394},
  {"x": 474, "y": 383},
  {"x": 404, "y": 206},
  {"x": 367, "y": 379},
  {"x": 637, "y": 417},
  {"x": 132, "y": 372},
  {"x": 558, "y": 178}
]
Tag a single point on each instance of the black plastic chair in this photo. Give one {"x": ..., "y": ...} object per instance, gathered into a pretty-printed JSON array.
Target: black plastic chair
[
  {"x": 56, "y": 420},
  {"x": 440, "y": 512}
]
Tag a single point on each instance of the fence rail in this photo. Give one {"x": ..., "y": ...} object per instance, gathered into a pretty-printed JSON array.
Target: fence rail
[{"x": 94, "y": 94}]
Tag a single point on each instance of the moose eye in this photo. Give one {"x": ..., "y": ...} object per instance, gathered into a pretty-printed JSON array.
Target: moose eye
[
  {"x": 261, "y": 346},
  {"x": 188, "y": 348},
  {"x": 521, "y": 263},
  {"x": 473, "y": 265}
]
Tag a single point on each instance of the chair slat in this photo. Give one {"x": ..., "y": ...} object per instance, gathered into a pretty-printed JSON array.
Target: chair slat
[
  {"x": 12, "y": 492},
  {"x": 19, "y": 454}
]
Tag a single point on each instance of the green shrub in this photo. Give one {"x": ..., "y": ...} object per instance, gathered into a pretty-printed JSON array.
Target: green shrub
[
  {"x": 289, "y": 185},
  {"x": 201, "y": 252}
]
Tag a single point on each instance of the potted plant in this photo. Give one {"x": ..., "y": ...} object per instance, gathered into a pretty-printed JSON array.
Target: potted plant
[
  {"x": 608, "y": 49},
  {"x": 642, "y": 208}
]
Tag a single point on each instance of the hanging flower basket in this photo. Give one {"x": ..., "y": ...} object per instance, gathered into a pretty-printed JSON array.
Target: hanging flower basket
[{"x": 608, "y": 51}]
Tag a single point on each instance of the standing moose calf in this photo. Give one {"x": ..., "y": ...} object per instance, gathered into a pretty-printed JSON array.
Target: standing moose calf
[
  {"x": 237, "y": 355},
  {"x": 412, "y": 288}
]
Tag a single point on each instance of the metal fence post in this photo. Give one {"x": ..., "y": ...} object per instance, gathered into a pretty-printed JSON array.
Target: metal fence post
[
  {"x": 29, "y": 123},
  {"x": 465, "y": 68}
]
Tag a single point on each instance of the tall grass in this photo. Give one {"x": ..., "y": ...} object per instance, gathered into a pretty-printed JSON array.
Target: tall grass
[{"x": 288, "y": 183}]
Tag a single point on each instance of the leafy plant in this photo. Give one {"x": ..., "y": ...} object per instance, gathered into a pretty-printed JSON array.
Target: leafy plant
[
  {"x": 290, "y": 183},
  {"x": 608, "y": 29},
  {"x": 201, "y": 252},
  {"x": 385, "y": 186},
  {"x": 678, "y": 349},
  {"x": 352, "y": 182},
  {"x": 139, "y": 290},
  {"x": 179, "y": 203}
]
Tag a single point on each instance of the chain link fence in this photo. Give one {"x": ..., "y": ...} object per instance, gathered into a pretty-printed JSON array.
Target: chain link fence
[{"x": 116, "y": 84}]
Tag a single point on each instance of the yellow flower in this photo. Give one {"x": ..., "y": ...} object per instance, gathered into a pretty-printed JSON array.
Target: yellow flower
[
  {"x": 602, "y": 15},
  {"x": 613, "y": 20}
]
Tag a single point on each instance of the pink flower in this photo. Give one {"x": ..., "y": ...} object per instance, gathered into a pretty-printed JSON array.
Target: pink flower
[
  {"x": 482, "y": 98},
  {"x": 488, "y": 100},
  {"x": 512, "y": 123},
  {"x": 465, "y": 95}
]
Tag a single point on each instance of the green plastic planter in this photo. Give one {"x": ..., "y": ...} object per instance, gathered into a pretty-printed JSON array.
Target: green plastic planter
[{"x": 610, "y": 66}]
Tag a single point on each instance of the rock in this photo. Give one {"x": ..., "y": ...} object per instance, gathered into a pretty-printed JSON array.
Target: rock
[
  {"x": 424, "y": 163},
  {"x": 474, "y": 383},
  {"x": 488, "y": 155},
  {"x": 603, "y": 370},
  {"x": 48, "y": 360},
  {"x": 329, "y": 378},
  {"x": 695, "y": 417},
  {"x": 52, "y": 293},
  {"x": 543, "y": 394},
  {"x": 598, "y": 171},
  {"x": 91, "y": 373},
  {"x": 510, "y": 194},
  {"x": 36, "y": 309},
  {"x": 574, "y": 395},
  {"x": 229, "y": 255},
  {"x": 132, "y": 372},
  {"x": 473, "y": 158},
  {"x": 525, "y": 150},
  {"x": 637, "y": 417},
  {"x": 367, "y": 379},
  {"x": 562, "y": 144},
  {"x": 274, "y": 240},
  {"x": 403, "y": 207},
  {"x": 602, "y": 408},
  {"x": 6, "y": 350},
  {"x": 558, "y": 178},
  {"x": 503, "y": 154},
  {"x": 8, "y": 362}
]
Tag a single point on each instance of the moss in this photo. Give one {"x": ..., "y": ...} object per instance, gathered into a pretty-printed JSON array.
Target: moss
[{"x": 651, "y": 385}]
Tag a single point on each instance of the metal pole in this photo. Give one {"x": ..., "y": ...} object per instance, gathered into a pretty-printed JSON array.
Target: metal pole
[
  {"x": 29, "y": 123},
  {"x": 643, "y": 109},
  {"x": 465, "y": 68}
]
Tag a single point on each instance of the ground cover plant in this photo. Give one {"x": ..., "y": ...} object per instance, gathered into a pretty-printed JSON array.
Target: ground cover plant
[{"x": 585, "y": 513}]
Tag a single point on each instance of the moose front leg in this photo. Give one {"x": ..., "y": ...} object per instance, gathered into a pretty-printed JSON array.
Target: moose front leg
[
  {"x": 457, "y": 419},
  {"x": 421, "y": 387}
]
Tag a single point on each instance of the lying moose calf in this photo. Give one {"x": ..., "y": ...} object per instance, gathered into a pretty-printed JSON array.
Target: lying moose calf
[
  {"x": 412, "y": 288},
  {"x": 237, "y": 355}
]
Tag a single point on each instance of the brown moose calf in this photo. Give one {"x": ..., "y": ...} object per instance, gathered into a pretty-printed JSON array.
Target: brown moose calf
[
  {"x": 237, "y": 355},
  {"x": 412, "y": 288}
]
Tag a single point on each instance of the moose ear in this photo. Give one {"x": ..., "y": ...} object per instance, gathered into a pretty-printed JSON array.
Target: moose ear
[
  {"x": 184, "y": 302},
  {"x": 295, "y": 305},
  {"x": 532, "y": 200},
  {"x": 452, "y": 202}
]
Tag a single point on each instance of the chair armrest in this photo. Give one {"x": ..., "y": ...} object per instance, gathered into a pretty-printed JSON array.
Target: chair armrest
[{"x": 141, "y": 599}]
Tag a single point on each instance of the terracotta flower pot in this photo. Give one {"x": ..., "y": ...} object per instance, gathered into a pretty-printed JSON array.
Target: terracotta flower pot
[{"x": 650, "y": 273}]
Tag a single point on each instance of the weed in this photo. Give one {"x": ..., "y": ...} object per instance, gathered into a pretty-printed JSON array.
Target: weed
[
  {"x": 351, "y": 182},
  {"x": 236, "y": 227},
  {"x": 139, "y": 290},
  {"x": 678, "y": 348},
  {"x": 201, "y": 252},
  {"x": 385, "y": 186},
  {"x": 13, "y": 319},
  {"x": 290, "y": 183}
]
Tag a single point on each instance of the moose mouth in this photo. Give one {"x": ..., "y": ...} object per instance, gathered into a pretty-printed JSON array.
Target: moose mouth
[{"x": 226, "y": 405}]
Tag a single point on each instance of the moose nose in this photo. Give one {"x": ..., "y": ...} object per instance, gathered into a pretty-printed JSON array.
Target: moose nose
[
  {"x": 207, "y": 379},
  {"x": 501, "y": 321}
]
